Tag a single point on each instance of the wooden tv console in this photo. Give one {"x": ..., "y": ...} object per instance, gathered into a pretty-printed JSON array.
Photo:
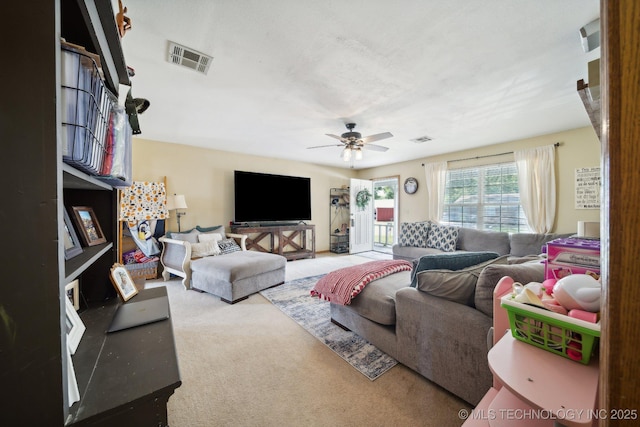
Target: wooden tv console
[{"x": 289, "y": 241}]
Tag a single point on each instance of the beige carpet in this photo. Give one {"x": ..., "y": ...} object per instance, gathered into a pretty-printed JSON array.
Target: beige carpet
[{"x": 248, "y": 364}]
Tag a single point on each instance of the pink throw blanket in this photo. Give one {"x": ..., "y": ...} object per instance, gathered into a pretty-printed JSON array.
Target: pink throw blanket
[{"x": 340, "y": 286}]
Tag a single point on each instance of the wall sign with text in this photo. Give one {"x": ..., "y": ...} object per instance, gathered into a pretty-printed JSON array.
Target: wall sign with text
[{"x": 588, "y": 188}]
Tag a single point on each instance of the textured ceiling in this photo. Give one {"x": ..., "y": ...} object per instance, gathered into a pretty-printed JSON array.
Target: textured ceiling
[{"x": 286, "y": 72}]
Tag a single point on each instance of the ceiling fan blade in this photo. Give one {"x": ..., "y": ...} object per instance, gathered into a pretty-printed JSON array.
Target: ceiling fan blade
[
  {"x": 373, "y": 147},
  {"x": 323, "y": 146},
  {"x": 377, "y": 137},
  {"x": 334, "y": 136}
]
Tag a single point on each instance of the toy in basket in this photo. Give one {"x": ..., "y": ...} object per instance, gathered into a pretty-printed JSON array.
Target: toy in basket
[{"x": 539, "y": 319}]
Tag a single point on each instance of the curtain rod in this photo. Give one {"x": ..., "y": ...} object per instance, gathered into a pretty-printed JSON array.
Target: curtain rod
[{"x": 557, "y": 144}]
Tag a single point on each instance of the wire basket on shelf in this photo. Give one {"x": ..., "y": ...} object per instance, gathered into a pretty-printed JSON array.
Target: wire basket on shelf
[
  {"x": 86, "y": 108},
  {"x": 565, "y": 336}
]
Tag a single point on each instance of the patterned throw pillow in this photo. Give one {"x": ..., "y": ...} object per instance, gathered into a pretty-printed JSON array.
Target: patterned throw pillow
[
  {"x": 414, "y": 234},
  {"x": 442, "y": 237},
  {"x": 227, "y": 246}
]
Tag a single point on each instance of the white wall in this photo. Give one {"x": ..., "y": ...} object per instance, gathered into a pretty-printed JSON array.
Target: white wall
[{"x": 205, "y": 177}]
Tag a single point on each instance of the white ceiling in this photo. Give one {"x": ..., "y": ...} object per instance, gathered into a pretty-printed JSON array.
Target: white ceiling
[{"x": 466, "y": 73}]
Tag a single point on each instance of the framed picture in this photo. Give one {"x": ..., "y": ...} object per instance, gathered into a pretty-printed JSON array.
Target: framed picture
[
  {"x": 73, "y": 293},
  {"x": 123, "y": 282},
  {"x": 72, "y": 384},
  {"x": 88, "y": 225},
  {"x": 71, "y": 242},
  {"x": 75, "y": 327}
]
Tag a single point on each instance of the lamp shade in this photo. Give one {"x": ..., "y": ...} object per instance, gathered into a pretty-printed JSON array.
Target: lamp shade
[{"x": 176, "y": 201}]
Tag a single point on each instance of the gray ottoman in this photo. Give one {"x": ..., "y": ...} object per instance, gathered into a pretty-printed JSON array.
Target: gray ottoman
[{"x": 235, "y": 276}]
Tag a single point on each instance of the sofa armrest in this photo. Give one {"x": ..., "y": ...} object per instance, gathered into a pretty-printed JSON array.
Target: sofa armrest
[
  {"x": 444, "y": 341},
  {"x": 176, "y": 259},
  {"x": 242, "y": 239}
]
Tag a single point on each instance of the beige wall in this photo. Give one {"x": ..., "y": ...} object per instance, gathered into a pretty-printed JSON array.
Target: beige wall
[
  {"x": 205, "y": 177},
  {"x": 579, "y": 148}
]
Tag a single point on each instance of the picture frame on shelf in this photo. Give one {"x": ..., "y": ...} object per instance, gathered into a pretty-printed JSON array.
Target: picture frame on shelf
[
  {"x": 75, "y": 327},
  {"x": 73, "y": 293},
  {"x": 123, "y": 282},
  {"x": 71, "y": 241},
  {"x": 73, "y": 393},
  {"x": 88, "y": 225}
]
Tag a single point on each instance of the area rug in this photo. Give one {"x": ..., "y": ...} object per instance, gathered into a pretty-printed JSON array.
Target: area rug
[{"x": 313, "y": 314}]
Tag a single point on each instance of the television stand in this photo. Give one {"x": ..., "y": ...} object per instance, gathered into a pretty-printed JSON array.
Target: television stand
[{"x": 289, "y": 241}]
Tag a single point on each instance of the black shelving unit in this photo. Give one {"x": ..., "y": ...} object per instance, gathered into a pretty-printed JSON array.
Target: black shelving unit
[{"x": 33, "y": 347}]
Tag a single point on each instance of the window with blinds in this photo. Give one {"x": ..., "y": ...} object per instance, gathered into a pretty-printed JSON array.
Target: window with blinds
[{"x": 484, "y": 198}]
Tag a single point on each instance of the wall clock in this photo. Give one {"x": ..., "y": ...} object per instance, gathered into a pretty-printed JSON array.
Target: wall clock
[{"x": 410, "y": 185}]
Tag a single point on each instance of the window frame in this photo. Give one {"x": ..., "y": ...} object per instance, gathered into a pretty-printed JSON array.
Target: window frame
[{"x": 473, "y": 212}]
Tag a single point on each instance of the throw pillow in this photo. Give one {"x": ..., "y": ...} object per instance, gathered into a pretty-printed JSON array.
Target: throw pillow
[
  {"x": 414, "y": 234},
  {"x": 203, "y": 249},
  {"x": 228, "y": 246},
  {"x": 215, "y": 229},
  {"x": 191, "y": 237},
  {"x": 442, "y": 237},
  {"x": 454, "y": 261},
  {"x": 458, "y": 286},
  {"x": 210, "y": 237}
]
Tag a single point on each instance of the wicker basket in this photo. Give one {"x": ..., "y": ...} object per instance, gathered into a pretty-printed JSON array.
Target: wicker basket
[
  {"x": 147, "y": 270},
  {"x": 559, "y": 334}
]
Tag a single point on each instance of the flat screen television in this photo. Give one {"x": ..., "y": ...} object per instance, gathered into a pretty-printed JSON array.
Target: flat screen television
[{"x": 262, "y": 197}]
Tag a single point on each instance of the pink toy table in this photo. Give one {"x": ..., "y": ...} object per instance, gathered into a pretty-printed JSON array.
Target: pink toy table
[
  {"x": 533, "y": 387},
  {"x": 559, "y": 386}
]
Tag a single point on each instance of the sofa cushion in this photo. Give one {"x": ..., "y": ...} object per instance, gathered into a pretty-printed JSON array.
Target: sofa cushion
[
  {"x": 489, "y": 277},
  {"x": 215, "y": 229},
  {"x": 459, "y": 285},
  {"x": 445, "y": 261},
  {"x": 191, "y": 236},
  {"x": 523, "y": 244},
  {"x": 240, "y": 265},
  {"x": 377, "y": 301},
  {"x": 414, "y": 234},
  {"x": 442, "y": 237},
  {"x": 470, "y": 239}
]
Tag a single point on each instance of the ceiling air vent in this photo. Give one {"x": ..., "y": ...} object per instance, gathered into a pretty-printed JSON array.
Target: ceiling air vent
[
  {"x": 190, "y": 58},
  {"x": 421, "y": 139}
]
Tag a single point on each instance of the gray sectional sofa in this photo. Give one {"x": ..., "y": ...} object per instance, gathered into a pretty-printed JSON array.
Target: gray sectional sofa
[{"x": 439, "y": 327}]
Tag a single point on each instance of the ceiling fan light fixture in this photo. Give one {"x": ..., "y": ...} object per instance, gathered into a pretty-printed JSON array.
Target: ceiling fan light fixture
[
  {"x": 358, "y": 153},
  {"x": 346, "y": 154}
]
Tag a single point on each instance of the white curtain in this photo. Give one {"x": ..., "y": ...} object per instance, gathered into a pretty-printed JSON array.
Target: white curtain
[
  {"x": 436, "y": 176},
  {"x": 537, "y": 182}
]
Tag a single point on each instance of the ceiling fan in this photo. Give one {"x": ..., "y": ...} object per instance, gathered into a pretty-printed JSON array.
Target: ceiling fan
[{"x": 354, "y": 142}]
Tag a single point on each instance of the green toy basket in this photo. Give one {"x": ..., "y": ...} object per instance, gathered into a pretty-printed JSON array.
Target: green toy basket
[{"x": 565, "y": 336}]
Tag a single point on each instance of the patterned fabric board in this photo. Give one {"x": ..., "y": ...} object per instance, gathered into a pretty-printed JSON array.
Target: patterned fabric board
[
  {"x": 313, "y": 314},
  {"x": 143, "y": 201}
]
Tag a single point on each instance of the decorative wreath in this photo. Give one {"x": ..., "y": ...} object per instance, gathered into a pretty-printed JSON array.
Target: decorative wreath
[{"x": 362, "y": 198}]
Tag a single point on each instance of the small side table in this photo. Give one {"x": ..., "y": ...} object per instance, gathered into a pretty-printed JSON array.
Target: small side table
[{"x": 537, "y": 388}]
